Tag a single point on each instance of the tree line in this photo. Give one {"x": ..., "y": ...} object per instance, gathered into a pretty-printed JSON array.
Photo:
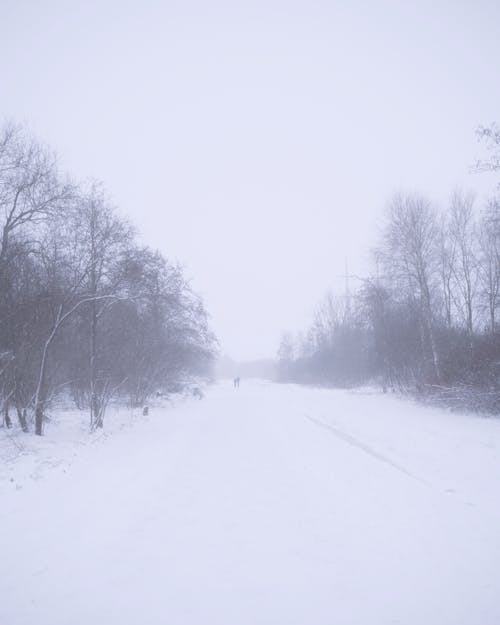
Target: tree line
[
  {"x": 426, "y": 319},
  {"x": 85, "y": 310}
]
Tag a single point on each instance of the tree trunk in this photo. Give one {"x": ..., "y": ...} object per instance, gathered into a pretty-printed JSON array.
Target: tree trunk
[
  {"x": 6, "y": 416},
  {"x": 39, "y": 416},
  {"x": 94, "y": 400},
  {"x": 40, "y": 390},
  {"x": 21, "y": 416}
]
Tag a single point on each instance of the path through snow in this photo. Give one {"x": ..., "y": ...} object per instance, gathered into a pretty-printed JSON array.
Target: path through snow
[{"x": 244, "y": 509}]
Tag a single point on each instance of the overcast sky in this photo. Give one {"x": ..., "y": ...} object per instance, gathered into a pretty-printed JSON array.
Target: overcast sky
[{"x": 257, "y": 142}]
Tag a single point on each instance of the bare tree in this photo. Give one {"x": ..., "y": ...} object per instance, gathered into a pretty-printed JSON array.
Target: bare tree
[
  {"x": 82, "y": 306},
  {"x": 70, "y": 270},
  {"x": 30, "y": 186},
  {"x": 464, "y": 266},
  {"x": 490, "y": 135},
  {"x": 410, "y": 245},
  {"x": 489, "y": 260},
  {"x": 106, "y": 238},
  {"x": 447, "y": 253}
]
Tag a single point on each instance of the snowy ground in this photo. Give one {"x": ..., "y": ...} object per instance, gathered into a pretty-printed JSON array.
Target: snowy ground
[{"x": 267, "y": 505}]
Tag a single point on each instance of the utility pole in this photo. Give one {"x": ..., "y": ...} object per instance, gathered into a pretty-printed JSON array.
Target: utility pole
[{"x": 347, "y": 293}]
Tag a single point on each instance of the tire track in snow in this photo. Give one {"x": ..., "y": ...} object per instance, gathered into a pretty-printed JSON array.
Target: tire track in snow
[{"x": 354, "y": 442}]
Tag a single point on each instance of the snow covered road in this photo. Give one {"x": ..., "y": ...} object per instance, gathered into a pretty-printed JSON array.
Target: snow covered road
[{"x": 266, "y": 505}]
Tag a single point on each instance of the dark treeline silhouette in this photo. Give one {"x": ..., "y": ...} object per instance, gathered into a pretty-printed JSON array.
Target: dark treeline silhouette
[
  {"x": 426, "y": 320},
  {"x": 84, "y": 309}
]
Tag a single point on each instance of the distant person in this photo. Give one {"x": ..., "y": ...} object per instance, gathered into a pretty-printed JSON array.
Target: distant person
[{"x": 236, "y": 382}]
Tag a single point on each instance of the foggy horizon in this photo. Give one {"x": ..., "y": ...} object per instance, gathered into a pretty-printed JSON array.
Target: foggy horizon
[{"x": 258, "y": 146}]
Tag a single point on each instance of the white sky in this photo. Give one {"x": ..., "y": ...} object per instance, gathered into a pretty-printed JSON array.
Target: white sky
[{"x": 257, "y": 142}]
